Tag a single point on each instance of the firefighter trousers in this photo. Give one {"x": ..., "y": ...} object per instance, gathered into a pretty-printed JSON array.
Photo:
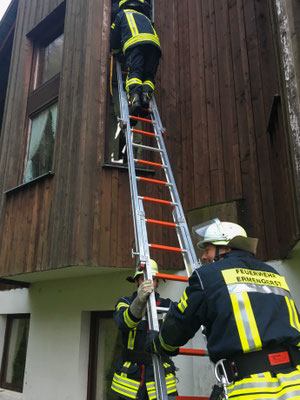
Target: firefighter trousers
[{"x": 142, "y": 63}]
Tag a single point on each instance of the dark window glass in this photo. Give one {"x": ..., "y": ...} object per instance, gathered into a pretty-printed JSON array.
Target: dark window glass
[
  {"x": 50, "y": 59},
  {"x": 14, "y": 354},
  {"x": 105, "y": 350},
  {"x": 41, "y": 145}
]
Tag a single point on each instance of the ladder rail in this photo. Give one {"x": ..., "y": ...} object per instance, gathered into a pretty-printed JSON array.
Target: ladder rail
[
  {"x": 141, "y": 238},
  {"x": 190, "y": 258}
]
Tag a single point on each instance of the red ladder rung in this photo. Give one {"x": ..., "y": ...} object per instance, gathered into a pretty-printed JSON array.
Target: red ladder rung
[
  {"x": 172, "y": 277},
  {"x": 157, "y": 222},
  {"x": 153, "y": 164},
  {"x": 141, "y": 178},
  {"x": 154, "y": 200},
  {"x": 149, "y": 121},
  {"x": 167, "y": 248},
  {"x": 143, "y": 132},
  {"x": 193, "y": 352}
]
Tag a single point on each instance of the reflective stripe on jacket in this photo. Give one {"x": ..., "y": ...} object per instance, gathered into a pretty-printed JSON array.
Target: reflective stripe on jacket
[
  {"x": 267, "y": 386},
  {"x": 245, "y": 305},
  {"x": 129, "y": 376},
  {"x": 131, "y": 28}
]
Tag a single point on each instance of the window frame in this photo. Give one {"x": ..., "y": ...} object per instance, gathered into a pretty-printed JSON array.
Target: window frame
[
  {"x": 96, "y": 316},
  {"x": 42, "y": 96},
  {"x": 7, "y": 337}
]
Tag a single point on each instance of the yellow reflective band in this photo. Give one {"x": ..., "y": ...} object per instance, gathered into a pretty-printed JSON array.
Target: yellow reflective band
[
  {"x": 128, "y": 321},
  {"x": 251, "y": 318},
  {"x": 294, "y": 320},
  {"x": 149, "y": 83},
  {"x": 120, "y": 305},
  {"x": 141, "y": 38},
  {"x": 243, "y": 275},
  {"x": 295, "y": 314},
  {"x": 131, "y": 23},
  {"x": 133, "y": 81},
  {"x": 113, "y": 26},
  {"x": 131, "y": 339},
  {"x": 126, "y": 365},
  {"x": 125, "y": 386},
  {"x": 124, "y": 1},
  {"x": 183, "y": 302},
  {"x": 165, "y": 345},
  {"x": 239, "y": 322}
]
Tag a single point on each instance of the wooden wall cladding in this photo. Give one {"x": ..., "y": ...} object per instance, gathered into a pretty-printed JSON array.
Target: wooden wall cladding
[
  {"x": 217, "y": 80},
  {"x": 215, "y": 87}
]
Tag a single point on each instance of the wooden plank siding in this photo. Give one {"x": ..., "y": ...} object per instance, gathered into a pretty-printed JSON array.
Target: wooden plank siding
[{"x": 215, "y": 86}]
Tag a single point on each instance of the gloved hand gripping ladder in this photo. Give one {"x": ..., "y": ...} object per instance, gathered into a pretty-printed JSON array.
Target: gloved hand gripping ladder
[{"x": 142, "y": 251}]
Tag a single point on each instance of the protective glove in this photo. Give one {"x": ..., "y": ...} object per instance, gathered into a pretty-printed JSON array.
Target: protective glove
[
  {"x": 138, "y": 306},
  {"x": 144, "y": 291}
]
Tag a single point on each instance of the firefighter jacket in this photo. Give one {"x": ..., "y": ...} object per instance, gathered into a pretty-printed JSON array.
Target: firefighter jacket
[
  {"x": 129, "y": 375},
  {"x": 131, "y": 28},
  {"x": 244, "y": 304}
]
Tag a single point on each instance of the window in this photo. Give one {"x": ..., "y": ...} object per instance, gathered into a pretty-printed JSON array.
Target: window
[
  {"x": 41, "y": 145},
  {"x": 105, "y": 350},
  {"x": 47, "y": 39},
  {"x": 14, "y": 353}
]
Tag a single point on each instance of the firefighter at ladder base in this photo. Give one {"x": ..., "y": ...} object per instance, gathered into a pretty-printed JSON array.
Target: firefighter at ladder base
[
  {"x": 133, "y": 34},
  {"x": 250, "y": 318},
  {"x": 134, "y": 375}
]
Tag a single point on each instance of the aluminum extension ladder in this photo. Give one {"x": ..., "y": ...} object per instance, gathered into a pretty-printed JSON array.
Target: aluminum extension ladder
[{"x": 142, "y": 251}]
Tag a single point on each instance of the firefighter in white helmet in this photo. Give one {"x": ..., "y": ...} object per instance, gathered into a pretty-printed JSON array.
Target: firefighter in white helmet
[
  {"x": 250, "y": 319},
  {"x": 134, "y": 375}
]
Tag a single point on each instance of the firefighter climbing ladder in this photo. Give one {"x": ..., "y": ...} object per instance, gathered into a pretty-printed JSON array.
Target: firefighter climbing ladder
[{"x": 142, "y": 251}]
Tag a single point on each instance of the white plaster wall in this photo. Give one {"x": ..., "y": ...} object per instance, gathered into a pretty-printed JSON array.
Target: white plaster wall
[
  {"x": 58, "y": 343},
  {"x": 290, "y": 269}
]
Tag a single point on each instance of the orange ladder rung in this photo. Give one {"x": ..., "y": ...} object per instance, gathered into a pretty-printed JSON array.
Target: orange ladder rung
[
  {"x": 154, "y": 200},
  {"x": 193, "y": 352},
  {"x": 167, "y": 248},
  {"x": 164, "y": 223},
  {"x": 149, "y": 121},
  {"x": 149, "y": 180},
  {"x": 143, "y": 132},
  {"x": 153, "y": 164},
  {"x": 172, "y": 277}
]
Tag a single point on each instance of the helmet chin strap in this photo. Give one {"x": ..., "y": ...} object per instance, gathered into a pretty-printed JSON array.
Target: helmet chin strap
[{"x": 218, "y": 255}]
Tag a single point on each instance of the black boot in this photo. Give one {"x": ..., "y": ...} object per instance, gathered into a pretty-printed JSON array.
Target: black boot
[
  {"x": 145, "y": 100},
  {"x": 134, "y": 104}
]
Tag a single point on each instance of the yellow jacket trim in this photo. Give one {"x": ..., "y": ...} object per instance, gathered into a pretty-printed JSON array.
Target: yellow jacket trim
[
  {"x": 142, "y": 37},
  {"x": 294, "y": 321},
  {"x": 128, "y": 321},
  {"x": 125, "y": 386},
  {"x": 183, "y": 302},
  {"x": 121, "y": 304},
  {"x": 131, "y": 339},
  {"x": 132, "y": 24},
  {"x": 165, "y": 345}
]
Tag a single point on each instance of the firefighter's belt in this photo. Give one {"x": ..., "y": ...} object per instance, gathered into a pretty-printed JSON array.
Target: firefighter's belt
[
  {"x": 141, "y": 357},
  {"x": 268, "y": 359}
]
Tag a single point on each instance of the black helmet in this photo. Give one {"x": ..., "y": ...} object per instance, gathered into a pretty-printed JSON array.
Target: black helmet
[{"x": 142, "y": 6}]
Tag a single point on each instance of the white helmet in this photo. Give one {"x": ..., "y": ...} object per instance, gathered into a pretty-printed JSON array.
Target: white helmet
[{"x": 224, "y": 234}]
